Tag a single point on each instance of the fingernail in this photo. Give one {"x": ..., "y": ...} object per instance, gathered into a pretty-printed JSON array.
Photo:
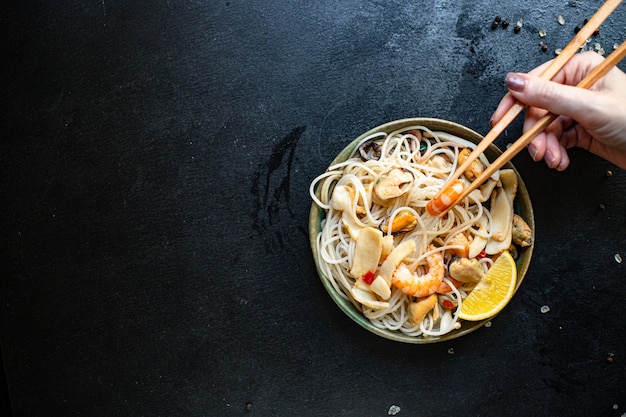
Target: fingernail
[
  {"x": 533, "y": 152},
  {"x": 515, "y": 82},
  {"x": 549, "y": 159}
]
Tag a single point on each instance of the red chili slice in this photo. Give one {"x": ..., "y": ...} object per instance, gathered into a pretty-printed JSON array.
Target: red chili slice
[{"x": 368, "y": 277}]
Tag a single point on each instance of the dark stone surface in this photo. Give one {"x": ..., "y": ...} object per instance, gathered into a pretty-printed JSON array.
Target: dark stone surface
[{"x": 155, "y": 165}]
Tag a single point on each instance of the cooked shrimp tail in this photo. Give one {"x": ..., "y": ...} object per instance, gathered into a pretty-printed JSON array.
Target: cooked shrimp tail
[
  {"x": 421, "y": 285},
  {"x": 440, "y": 204}
]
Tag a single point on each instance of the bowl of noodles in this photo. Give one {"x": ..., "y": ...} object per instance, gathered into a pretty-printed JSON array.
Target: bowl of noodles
[{"x": 393, "y": 266}]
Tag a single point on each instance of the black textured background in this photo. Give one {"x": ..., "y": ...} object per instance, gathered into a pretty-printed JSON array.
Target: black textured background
[{"x": 154, "y": 169}]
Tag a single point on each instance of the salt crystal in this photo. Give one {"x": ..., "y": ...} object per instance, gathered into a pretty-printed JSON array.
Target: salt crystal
[
  {"x": 451, "y": 351},
  {"x": 488, "y": 324},
  {"x": 618, "y": 258},
  {"x": 561, "y": 20},
  {"x": 545, "y": 309},
  {"x": 558, "y": 51},
  {"x": 393, "y": 410},
  {"x": 615, "y": 406},
  {"x": 542, "y": 33}
]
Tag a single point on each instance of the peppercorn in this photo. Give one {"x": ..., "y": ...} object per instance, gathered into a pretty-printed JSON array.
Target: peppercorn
[
  {"x": 494, "y": 25},
  {"x": 576, "y": 29},
  {"x": 596, "y": 32},
  {"x": 517, "y": 28},
  {"x": 505, "y": 24},
  {"x": 610, "y": 357},
  {"x": 544, "y": 47}
]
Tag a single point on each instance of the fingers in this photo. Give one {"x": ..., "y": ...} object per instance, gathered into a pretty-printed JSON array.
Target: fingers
[
  {"x": 548, "y": 144},
  {"x": 570, "y": 101},
  {"x": 508, "y": 100},
  {"x": 598, "y": 112},
  {"x": 505, "y": 104}
]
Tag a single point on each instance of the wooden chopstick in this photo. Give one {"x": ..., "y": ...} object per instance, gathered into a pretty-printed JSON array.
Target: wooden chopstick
[
  {"x": 572, "y": 47},
  {"x": 598, "y": 72}
]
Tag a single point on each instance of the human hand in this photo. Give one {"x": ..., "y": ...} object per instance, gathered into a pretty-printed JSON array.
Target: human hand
[{"x": 593, "y": 119}]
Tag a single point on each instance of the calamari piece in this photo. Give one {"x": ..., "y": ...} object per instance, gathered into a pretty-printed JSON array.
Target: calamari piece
[
  {"x": 479, "y": 242},
  {"x": 367, "y": 252},
  {"x": 396, "y": 256},
  {"x": 342, "y": 200},
  {"x": 502, "y": 213},
  {"x": 368, "y": 299},
  {"x": 380, "y": 288},
  {"x": 487, "y": 189},
  {"x": 387, "y": 247}
]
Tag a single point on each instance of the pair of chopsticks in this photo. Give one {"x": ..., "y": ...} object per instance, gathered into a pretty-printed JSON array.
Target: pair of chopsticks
[{"x": 598, "y": 72}]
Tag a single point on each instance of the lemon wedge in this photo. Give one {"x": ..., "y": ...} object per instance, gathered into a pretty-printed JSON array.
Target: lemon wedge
[{"x": 493, "y": 292}]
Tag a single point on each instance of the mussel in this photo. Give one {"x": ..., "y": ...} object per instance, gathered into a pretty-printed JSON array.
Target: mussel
[
  {"x": 476, "y": 167},
  {"x": 522, "y": 234},
  {"x": 369, "y": 149},
  {"x": 405, "y": 221},
  {"x": 393, "y": 183},
  {"x": 466, "y": 270}
]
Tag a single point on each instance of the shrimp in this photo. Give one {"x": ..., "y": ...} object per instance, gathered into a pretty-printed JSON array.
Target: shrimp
[
  {"x": 440, "y": 204},
  {"x": 421, "y": 285},
  {"x": 445, "y": 288}
]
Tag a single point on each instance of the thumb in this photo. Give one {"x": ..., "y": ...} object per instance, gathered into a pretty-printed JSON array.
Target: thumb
[{"x": 561, "y": 99}]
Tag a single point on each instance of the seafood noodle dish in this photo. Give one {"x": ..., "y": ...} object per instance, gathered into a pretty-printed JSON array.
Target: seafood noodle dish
[{"x": 388, "y": 247}]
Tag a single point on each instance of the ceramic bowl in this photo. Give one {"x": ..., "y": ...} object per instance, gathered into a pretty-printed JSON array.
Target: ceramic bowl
[{"x": 523, "y": 207}]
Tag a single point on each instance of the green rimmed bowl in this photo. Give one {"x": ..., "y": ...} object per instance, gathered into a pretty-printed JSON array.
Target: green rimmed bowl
[{"x": 523, "y": 207}]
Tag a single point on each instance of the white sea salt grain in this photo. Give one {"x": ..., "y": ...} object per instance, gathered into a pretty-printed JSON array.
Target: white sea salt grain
[
  {"x": 618, "y": 258},
  {"x": 393, "y": 410},
  {"x": 488, "y": 324},
  {"x": 545, "y": 309},
  {"x": 561, "y": 20},
  {"x": 542, "y": 33}
]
